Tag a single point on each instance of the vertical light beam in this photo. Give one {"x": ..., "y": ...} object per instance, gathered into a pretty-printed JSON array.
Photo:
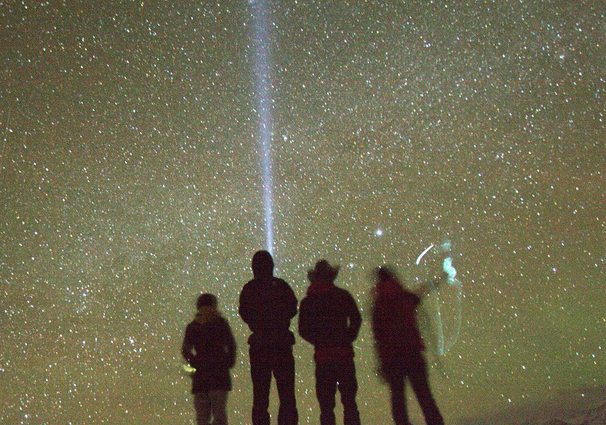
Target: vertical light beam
[{"x": 263, "y": 102}]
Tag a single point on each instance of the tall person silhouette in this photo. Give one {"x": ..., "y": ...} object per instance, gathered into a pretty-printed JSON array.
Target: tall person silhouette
[
  {"x": 267, "y": 305},
  {"x": 330, "y": 320},
  {"x": 400, "y": 347}
]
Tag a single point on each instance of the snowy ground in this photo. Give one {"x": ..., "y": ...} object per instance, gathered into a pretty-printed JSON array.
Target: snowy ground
[{"x": 588, "y": 408}]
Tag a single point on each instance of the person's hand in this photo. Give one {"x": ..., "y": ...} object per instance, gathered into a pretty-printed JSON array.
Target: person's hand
[{"x": 189, "y": 370}]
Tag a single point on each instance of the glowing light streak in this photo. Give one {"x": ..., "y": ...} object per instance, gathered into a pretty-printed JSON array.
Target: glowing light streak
[
  {"x": 420, "y": 257},
  {"x": 444, "y": 344},
  {"x": 263, "y": 101}
]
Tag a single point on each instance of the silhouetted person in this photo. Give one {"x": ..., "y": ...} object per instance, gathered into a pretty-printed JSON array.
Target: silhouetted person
[
  {"x": 267, "y": 304},
  {"x": 209, "y": 347},
  {"x": 400, "y": 347},
  {"x": 330, "y": 320}
]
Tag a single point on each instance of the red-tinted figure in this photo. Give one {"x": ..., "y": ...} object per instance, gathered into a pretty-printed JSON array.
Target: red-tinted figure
[{"x": 400, "y": 347}]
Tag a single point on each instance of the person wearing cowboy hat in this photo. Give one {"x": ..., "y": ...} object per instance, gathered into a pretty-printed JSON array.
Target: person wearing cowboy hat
[{"x": 329, "y": 319}]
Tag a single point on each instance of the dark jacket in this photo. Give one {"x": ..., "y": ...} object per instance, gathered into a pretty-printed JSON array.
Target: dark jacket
[
  {"x": 267, "y": 304},
  {"x": 330, "y": 320},
  {"x": 209, "y": 347},
  {"x": 394, "y": 322}
]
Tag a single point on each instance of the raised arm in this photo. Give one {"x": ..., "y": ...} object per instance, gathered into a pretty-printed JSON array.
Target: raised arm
[{"x": 428, "y": 287}]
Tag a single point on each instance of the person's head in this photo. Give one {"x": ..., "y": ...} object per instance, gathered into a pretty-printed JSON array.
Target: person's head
[
  {"x": 323, "y": 272},
  {"x": 385, "y": 273},
  {"x": 206, "y": 300},
  {"x": 262, "y": 264}
]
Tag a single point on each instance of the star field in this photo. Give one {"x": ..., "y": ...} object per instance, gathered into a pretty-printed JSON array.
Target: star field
[{"x": 131, "y": 182}]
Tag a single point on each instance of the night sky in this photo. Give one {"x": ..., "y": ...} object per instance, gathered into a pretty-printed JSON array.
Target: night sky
[{"x": 132, "y": 180}]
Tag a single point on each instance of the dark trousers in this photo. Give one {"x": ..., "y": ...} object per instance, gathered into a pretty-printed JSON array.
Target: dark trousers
[
  {"x": 333, "y": 375},
  {"x": 280, "y": 362},
  {"x": 413, "y": 368}
]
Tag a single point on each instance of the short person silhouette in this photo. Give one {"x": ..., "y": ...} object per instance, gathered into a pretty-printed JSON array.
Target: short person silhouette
[{"x": 209, "y": 347}]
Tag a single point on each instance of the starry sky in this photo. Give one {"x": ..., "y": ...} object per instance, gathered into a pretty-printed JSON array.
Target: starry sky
[{"x": 131, "y": 181}]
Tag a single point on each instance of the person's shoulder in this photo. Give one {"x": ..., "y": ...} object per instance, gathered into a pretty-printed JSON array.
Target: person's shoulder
[
  {"x": 192, "y": 326},
  {"x": 222, "y": 320},
  {"x": 281, "y": 282},
  {"x": 223, "y": 323},
  {"x": 342, "y": 292},
  {"x": 307, "y": 301},
  {"x": 249, "y": 286},
  {"x": 411, "y": 296}
]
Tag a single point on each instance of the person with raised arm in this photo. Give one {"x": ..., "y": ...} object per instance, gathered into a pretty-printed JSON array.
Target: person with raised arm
[{"x": 399, "y": 345}]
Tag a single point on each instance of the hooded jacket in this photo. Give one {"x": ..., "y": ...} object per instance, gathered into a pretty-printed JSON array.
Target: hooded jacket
[
  {"x": 267, "y": 304},
  {"x": 329, "y": 319},
  {"x": 209, "y": 347}
]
